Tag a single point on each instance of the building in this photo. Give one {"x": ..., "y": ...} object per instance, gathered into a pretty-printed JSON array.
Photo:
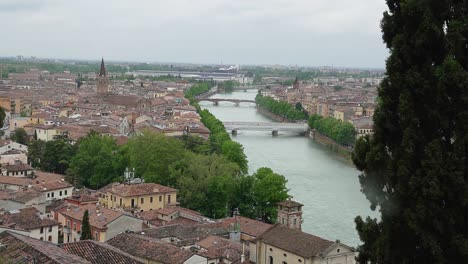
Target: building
[
  {"x": 99, "y": 252},
  {"x": 102, "y": 81},
  {"x": 18, "y": 248},
  {"x": 151, "y": 250},
  {"x": 281, "y": 244},
  {"x": 55, "y": 190},
  {"x": 30, "y": 222},
  {"x": 137, "y": 197},
  {"x": 105, "y": 223},
  {"x": 290, "y": 214}
]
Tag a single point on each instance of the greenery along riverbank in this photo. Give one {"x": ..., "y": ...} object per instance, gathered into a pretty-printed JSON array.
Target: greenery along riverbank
[
  {"x": 341, "y": 132},
  {"x": 283, "y": 109}
]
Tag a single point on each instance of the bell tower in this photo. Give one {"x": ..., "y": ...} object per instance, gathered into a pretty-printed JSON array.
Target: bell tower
[
  {"x": 290, "y": 214},
  {"x": 102, "y": 81}
]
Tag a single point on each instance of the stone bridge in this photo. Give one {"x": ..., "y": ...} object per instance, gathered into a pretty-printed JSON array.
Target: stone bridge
[
  {"x": 266, "y": 126},
  {"x": 216, "y": 101}
]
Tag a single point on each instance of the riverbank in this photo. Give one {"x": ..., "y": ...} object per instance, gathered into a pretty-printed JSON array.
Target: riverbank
[{"x": 314, "y": 135}]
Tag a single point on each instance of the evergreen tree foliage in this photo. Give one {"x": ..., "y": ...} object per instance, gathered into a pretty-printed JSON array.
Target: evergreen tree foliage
[
  {"x": 415, "y": 166},
  {"x": 86, "y": 227},
  {"x": 283, "y": 109},
  {"x": 20, "y": 136},
  {"x": 2, "y": 116}
]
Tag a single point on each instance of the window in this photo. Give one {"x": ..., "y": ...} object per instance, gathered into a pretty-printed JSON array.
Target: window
[
  {"x": 48, "y": 195},
  {"x": 66, "y": 192},
  {"x": 160, "y": 198},
  {"x": 50, "y": 238},
  {"x": 41, "y": 238},
  {"x": 299, "y": 260},
  {"x": 133, "y": 202},
  {"x": 96, "y": 236},
  {"x": 68, "y": 223},
  {"x": 285, "y": 255},
  {"x": 271, "y": 249},
  {"x": 282, "y": 221},
  {"x": 74, "y": 226},
  {"x": 60, "y": 193},
  {"x": 169, "y": 199},
  {"x": 52, "y": 195},
  {"x": 151, "y": 199},
  {"x": 295, "y": 222},
  {"x": 120, "y": 201},
  {"x": 142, "y": 200},
  {"x": 42, "y": 230},
  {"x": 284, "y": 262},
  {"x": 270, "y": 259},
  {"x": 50, "y": 228},
  {"x": 338, "y": 250}
]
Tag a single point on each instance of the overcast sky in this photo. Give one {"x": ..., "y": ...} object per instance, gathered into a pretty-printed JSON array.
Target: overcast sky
[{"x": 288, "y": 32}]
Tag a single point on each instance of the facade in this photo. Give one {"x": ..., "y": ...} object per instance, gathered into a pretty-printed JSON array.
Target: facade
[
  {"x": 281, "y": 244},
  {"x": 102, "y": 81},
  {"x": 28, "y": 221},
  {"x": 290, "y": 214},
  {"x": 137, "y": 197}
]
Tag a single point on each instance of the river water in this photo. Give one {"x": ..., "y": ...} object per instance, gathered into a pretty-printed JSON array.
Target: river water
[{"x": 324, "y": 182}]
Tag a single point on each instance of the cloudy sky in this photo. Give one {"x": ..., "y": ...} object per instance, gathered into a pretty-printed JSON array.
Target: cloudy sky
[{"x": 289, "y": 32}]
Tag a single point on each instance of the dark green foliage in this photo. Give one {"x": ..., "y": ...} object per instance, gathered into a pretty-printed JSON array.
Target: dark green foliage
[
  {"x": 2, "y": 116},
  {"x": 98, "y": 162},
  {"x": 283, "y": 109},
  {"x": 228, "y": 86},
  {"x": 415, "y": 165},
  {"x": 341, "y": 132},
  {"x": 20, "y": 136},
  {"x": 53, "y": 156},
  {"x": 197, "y": 90},
  {"x": 86, "y": 227}
]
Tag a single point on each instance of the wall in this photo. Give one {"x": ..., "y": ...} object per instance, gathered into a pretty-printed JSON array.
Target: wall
[
  {"x": 271, "y": 115},
  {"x": 122, "y": 224},
  {"x": 146, "y": 206},
  {"x": 11, "y": 158},
  {"x": 36, "y": 233},
  {"x": 55, "y": 194},
  {"x": 345, "y": 152}
]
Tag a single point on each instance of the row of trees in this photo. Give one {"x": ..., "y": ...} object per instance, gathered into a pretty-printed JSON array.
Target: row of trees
[
  {"x": 197, "y": 90},
  {"x": 341, "y": 132},
  {"x": 228, "y": 86},
  {"x": 283, "y": 109}
]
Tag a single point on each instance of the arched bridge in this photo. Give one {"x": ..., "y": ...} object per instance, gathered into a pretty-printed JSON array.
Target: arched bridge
[
  {"x": 266, "y": 126},
  {"x": 216, "y": 101}
]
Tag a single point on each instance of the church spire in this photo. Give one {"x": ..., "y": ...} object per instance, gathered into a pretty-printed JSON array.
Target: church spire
[{"x": 102, "y": 72}]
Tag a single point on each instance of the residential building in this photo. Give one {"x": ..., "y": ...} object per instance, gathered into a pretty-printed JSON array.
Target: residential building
[
  {"x": 137, "y": 197},
  {"x": 150, "y": 250},
  {"x": 105, "y": 223},
  {"x": 30, "y": 222},
  {"x": 281, "y": 244}
]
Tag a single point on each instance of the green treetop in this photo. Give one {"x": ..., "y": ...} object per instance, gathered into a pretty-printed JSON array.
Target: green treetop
[{"x": 86, "y": 227}]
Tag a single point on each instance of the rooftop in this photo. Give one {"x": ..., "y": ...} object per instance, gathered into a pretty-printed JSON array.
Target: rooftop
[{"x": 99, "y": 253}]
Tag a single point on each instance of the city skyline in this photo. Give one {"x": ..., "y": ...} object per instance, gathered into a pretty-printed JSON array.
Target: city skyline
[{"x": 322, "y": 33}]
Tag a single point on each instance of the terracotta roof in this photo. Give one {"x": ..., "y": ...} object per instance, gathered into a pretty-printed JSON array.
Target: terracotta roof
[
  {"x": 98, "y": 220},
  {"x": 41, "y": 177},
  {"x": 55, "y": 185},
  {"x": 24, "y": 196},
  {"x": 99, "y": 253},
  {"x": 149, "y": 248},
  {"x": 248, "y": 226},
  {"x": 295, "y": 241},
  {"x": 17, "y": 167},
  {"x": 27, "y": 219},
  {"x": 139, "y": 189},
  {"x": 290, "y": 203},
  {"x": 22, "y": 249},
  {"x": 219, "y": 247}
]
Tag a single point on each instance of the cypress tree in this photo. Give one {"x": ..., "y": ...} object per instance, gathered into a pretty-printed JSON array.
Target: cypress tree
[
  {"x": 85, "y": 227},
  {"x": 415, "y": 166}
]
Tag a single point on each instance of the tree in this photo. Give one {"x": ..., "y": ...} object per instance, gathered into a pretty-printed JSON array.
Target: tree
[
  {"x": 2, "y": 117},
  {"x": 298, "y": 106},
  {"x": 414, "y": 167},
  {"x": 20, "y": 136},
  {"x": 234, "y": 152},
  {"x": 86, "y": 227},
  {"x": 97, "y": 162}
]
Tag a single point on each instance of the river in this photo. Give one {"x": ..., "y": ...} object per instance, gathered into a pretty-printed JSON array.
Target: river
[{"x": 324, "y": 182}]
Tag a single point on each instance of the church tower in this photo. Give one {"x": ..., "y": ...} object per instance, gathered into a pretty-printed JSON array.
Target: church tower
[
  {"x": 102, "y": 82},
  {"x": 296, "y": 84},
  {"x": 290, "y": 214}
]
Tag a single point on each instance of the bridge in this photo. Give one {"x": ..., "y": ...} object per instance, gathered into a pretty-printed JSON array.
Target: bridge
[
  {"x": 266, "y": 126},
  {"x": 216, "y": 101}
]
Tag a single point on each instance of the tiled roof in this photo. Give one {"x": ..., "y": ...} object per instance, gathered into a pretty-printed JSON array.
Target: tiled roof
[
  {"x": 17, "y": 248},
  {"x": 290, "y": 203},
  {"x": 99, "y": 253},
  {"x": 24, "y": 196},
  {"x": 294, "y": 241},
  {"x": 98, "y": 220},
  {"x": 17, "y": 167},
  {"x": 150, "y": 248},
  {"x": 55, "y": 185},
  {"x": 140, "y": 189},
  {"x": 248, "y": 226},
  {"x": 26, "y": 219},
  {"x": 218, "y": 247}
]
